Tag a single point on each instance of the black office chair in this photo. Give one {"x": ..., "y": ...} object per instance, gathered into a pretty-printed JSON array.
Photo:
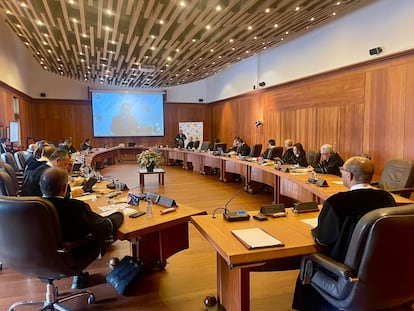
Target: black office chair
[
  {"x": 277, "y": 152},
  {"x": 378, "y": 269},
  {"x": 16, "y": 179},
  {"x": 20, "y": 159},
  {"x": 7, "y": 187},
  {"x": 256, "y": 150},
  {"x": 397, "y": 177},
  {"x": 31, "y": 243}
]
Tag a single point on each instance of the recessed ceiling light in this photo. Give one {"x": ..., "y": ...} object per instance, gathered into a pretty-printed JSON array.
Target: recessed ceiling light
[
  {"x": 267, "y": 10},
  {"x": 218, "y": 8},
  {"x": 208, "y": 27},
  {"x": 334, "y": 13},
  {"x": 250, "y": 28},
  {"x": 297, "y": 8},
  {"x": 275, "y": 25}
]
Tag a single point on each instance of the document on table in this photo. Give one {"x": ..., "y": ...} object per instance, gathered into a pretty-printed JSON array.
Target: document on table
[
  {"x": 311, "y": 221},
  {"x": 256, "y": 238},
  {"x": 121, "y": 207}
]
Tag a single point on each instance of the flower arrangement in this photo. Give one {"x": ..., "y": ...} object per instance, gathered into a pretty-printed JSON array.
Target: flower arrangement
[{"x": 148, "y": 158}]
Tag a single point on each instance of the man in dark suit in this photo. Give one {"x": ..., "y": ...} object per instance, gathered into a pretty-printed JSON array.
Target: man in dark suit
[
  {"x": 331, "y": 162},
  {"x": 337, "y": 221},
  {"x": 267, "y": 154},
  {"x": 77, "y": 220},
  {"x": 243, "y": 149},
  {"x": 288, "y": 154}
]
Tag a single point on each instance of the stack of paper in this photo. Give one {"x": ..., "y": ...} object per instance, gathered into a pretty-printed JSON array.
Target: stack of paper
[{"x": 256, "y": 238}]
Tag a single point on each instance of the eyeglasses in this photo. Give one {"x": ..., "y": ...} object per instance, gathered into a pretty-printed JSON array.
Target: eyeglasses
[{"x": 341, "y": 168}]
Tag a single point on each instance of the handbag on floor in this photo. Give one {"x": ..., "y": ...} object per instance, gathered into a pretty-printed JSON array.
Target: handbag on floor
[{"x": 128, "y": 272}]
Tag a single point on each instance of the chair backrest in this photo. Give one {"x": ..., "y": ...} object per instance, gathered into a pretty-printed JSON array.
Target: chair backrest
[
  {"x": 313, "y": 157},
  {"x": 30, "y": 239},
  {"x": 277, "y": 152},
  {"x": 397, "y": 174},
  {"x": 223, "y": 146},
  {"x": 205, "y": 145},
  {"x": 12, "y": 173},
  {"x": 383, "y": 258},
  {"x": 9, "y": 158},
  {"x": 256, "y": 150},
  {"x": 20, "y": 159},
  {"x": 7, "y": 186}
]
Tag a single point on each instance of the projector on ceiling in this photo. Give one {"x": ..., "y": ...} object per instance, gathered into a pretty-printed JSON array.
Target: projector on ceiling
[{"x": 146, "y": 68}]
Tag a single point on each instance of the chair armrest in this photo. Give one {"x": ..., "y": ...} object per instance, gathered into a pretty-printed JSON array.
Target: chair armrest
[
  {"x": 402, "y": 190},
  {"x": 337, "y": 268},
  {"x": 68, "y": 246}
]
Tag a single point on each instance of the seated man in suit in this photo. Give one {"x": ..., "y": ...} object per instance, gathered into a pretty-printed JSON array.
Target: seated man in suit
[
  {"x": 288, "y": 154},
  {"x": 190, "y": 143},
  {"x": 59, "y": 158},
  {"x": 331, "y": 162},
  {"x": 86, "y": 145},
  {"x": 67, "y": 145},
  {"x": 267, "y": 154},
  {"x": 243, "y": 149},
  {"x": 77, "y": 220},
  {"x": 337, "y": 221}
]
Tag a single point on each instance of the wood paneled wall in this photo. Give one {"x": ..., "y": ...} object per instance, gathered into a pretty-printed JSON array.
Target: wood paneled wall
[{"x": 363, "y": 108}]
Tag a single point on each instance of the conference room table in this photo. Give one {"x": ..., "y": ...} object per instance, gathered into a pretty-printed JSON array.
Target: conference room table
[
  {"x": 235, "y": 260},
  {"x": 154, "y": 239}
]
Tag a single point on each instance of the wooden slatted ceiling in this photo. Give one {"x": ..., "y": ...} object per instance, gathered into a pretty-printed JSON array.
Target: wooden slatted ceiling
[{"x": 107, "y": 41}]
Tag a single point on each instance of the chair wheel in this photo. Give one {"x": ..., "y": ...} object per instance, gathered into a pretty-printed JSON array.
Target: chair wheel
[{"x": 91, "y": 299}]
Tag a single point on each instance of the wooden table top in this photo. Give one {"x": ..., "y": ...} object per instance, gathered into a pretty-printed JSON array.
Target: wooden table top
[{"x": 290, "y": 230}]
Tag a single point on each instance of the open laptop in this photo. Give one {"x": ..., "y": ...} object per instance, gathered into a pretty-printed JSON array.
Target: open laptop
[{"x": 89, "y": 183}]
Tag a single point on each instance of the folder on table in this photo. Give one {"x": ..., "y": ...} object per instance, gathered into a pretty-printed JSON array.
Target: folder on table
[{"x": 256, "y": 238}]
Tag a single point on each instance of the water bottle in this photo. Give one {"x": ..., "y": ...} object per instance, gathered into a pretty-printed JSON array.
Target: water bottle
[{"x": 148, "y": 208}]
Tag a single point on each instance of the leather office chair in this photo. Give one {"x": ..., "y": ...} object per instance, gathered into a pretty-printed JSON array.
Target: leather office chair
[
  {"x": 20, "y": 159},
  {"x": 277, "y": 152},
  {"x": 256, "y": 150},
  {"x": 31, "y": 243},
  {"x": 378, "y": 269},
  {"x": 16, "y": 179},
  {"x": 9, "y": 159},
  {"x": 397, "y": 177},
  {"x": 313, "y": 157},
  {"x": 7, "y": 186}
]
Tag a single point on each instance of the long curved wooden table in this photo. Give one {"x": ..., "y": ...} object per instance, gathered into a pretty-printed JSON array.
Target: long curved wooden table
[{"x": 284, "y": 184}]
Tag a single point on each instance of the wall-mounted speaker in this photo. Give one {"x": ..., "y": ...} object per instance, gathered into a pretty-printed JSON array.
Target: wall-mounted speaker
[
  {"x": 42, "y": 94},
  {"x": 200, "y": 100},
  {"x": 375, "y": 51},
  {"x": 262, "y": 84}
]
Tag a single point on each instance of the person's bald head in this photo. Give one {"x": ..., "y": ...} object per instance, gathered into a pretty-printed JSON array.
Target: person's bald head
[{"x": 360, "y": 169}]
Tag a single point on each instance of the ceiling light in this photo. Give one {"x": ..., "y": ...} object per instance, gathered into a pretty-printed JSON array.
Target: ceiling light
[
  {"x": 297, "y": 9},
  {"x": 275, "y": 25},
  {"x": 208, "y": 27},
  {"x": 250, "y": 28},
  {"x": 218, "y": 8},
  {"x": 267, "y": 10}
]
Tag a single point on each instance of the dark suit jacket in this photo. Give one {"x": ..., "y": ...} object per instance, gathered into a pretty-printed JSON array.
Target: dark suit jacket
[
  {"x": 267, "y": 154},
  {"x": 331, "y": 166},
  {"x": 243, "y": 150},
  {"x": 78, "y": 220},
  {"x": 340, "y": 214},
  {"x": 31, "y": 180},
  {"x": 287, "y": 156}
]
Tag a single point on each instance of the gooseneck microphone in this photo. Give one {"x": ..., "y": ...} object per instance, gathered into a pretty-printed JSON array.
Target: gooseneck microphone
[
  {"x": 231, "y": 199},
  {"x": 227, "y": 203}
]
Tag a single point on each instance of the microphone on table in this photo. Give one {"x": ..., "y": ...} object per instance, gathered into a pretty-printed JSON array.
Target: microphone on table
[{"x": 238, "y": 215}]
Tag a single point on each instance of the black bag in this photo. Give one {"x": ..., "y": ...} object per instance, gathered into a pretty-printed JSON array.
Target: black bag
[{"x": 129, "y": 271}]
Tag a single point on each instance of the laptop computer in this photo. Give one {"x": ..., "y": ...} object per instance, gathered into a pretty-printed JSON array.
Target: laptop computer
[{"x": 89, "y": 183}]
